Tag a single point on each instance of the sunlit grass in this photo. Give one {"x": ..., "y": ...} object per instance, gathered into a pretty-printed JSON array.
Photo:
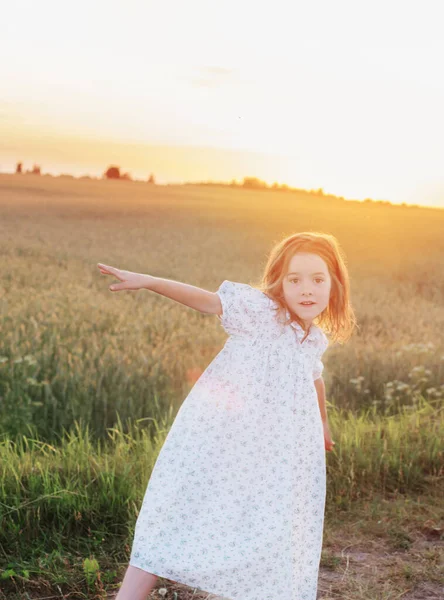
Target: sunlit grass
[
  {"x": 83, "y": 496},
  {"x": 90, "y": 381}
]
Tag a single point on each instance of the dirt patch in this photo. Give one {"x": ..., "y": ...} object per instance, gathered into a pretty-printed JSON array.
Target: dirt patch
[
  {"x": 375, "y": 571},
  {"x": 360, "y": 571}
]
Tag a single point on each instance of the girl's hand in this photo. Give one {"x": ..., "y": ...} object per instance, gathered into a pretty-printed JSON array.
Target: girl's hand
[
  {"x": 130, "y": 280},
  {"x": 329, "y": 443}
]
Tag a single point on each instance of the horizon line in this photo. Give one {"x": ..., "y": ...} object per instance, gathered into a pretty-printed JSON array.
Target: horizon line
[{"x": 275, "y": 187}]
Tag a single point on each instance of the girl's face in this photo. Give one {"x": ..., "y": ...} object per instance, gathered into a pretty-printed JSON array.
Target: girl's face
[{"x": 307, "y": 279}]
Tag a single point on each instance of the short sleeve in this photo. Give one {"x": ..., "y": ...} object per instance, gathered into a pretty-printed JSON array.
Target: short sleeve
[
  {"x": 245, "y": 309},
  {"x": 321, "y": 346}
]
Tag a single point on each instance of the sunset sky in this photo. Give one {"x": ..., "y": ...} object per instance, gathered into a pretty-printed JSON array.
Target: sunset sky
[{"x": 343, "y": 95}]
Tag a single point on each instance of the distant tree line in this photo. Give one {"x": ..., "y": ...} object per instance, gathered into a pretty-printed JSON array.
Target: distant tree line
[
  {"x": 112, "y": 172},
  {"x": 249, "y": 183},
  {"x": 34, "y": 171},
  {"x": 254, "y": 183}
]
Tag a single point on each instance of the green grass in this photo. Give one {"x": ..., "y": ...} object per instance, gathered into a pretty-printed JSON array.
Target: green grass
[
  {"x": 90, "y": 381},
  {"x": 71, "y": 350},
  {"x": 80, "y": 499}
]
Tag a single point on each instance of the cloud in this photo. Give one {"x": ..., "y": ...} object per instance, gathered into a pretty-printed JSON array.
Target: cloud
[
  {"x": 217, "y": 70},
  {"x": 212, "y": 77}
]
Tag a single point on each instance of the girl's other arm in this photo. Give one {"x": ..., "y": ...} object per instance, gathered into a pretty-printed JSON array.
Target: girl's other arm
[
  {"x": 320, "y": 389},
  {"x": 189, "y": 295}
]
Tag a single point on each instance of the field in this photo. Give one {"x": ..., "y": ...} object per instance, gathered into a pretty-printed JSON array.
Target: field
[{"x": 90, "y": 380}]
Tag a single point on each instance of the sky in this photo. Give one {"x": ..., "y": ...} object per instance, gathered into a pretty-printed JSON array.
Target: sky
[{"x": 343, "y": 96}]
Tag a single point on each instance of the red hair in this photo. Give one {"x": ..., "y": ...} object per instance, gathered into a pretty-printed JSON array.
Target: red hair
[{"x": 337, "y": 319}]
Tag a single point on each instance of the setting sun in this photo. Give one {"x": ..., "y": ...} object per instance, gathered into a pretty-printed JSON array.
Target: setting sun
[{"x": 333, "y": 96}]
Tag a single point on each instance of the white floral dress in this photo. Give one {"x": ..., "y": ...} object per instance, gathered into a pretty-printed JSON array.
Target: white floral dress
[{"x": 235, "y": 502}]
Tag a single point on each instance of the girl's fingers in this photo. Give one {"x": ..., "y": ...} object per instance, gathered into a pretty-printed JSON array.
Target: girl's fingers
[
  {"x": 123, "y": 276},
  {"x": 106, "y": 267},
  {"x": 105, "y": 270}
]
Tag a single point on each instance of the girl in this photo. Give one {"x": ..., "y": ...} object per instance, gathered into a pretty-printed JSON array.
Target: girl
[{"x": 235, "y": 502}]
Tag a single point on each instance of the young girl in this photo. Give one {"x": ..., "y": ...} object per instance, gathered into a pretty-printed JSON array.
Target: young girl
[{"x": 235, "y": 502}]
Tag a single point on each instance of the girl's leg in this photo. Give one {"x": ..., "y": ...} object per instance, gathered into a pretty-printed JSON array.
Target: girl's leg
[{"x": 136, "y": 584}]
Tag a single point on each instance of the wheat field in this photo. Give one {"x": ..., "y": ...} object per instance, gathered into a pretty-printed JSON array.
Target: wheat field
[
  {"x": 75, "y": 350},
  {"x": 90, "y": 380}
]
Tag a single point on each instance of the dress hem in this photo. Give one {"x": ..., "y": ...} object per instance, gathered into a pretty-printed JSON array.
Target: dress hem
[{"x": 183, "y": 581}]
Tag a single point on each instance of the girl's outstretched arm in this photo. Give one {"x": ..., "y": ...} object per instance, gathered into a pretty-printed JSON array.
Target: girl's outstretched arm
[{"x": 189, "y": 295}]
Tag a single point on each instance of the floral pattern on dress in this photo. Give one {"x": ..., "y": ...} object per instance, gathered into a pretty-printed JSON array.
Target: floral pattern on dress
[{"x": 235, "y": 502}]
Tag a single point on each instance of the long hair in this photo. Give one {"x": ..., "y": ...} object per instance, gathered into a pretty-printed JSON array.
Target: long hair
[{"x": 338, "y": 318}]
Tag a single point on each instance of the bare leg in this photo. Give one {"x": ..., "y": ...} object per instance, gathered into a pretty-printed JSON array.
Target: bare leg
[{"x": 136, "y": 584}]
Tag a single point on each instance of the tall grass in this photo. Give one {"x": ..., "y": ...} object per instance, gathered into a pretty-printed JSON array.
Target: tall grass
[
  {"x": 72, "y": 351},
  {"x": 85, "y": 488},
  {"x": 90, "y": 381}
]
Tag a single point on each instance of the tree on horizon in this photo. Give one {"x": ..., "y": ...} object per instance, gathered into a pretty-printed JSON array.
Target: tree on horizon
[{"x": 112, "y": 172}]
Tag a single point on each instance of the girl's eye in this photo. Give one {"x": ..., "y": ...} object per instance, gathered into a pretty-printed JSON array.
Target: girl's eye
[{"x": 296, "y": 279}]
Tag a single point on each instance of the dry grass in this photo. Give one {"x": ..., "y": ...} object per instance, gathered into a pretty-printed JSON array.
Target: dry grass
[{"x": 83, "y": 352}]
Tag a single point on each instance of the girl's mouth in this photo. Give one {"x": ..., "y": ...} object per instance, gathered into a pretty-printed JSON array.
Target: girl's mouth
[{"x": 307, "y": 303}]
